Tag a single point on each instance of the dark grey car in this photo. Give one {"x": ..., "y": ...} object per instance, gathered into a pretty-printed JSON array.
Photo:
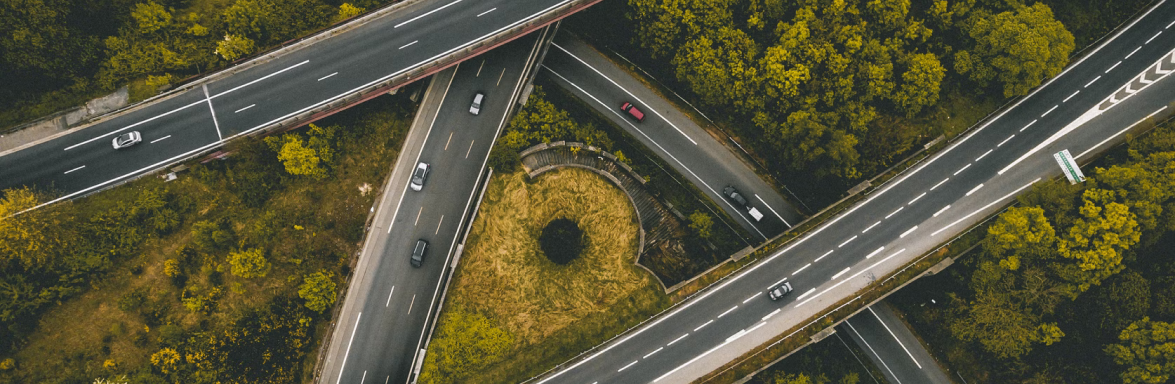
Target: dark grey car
[{"x": 418, "y": 253}]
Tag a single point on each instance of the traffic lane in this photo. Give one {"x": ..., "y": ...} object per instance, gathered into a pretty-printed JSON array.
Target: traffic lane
[
  {"x": 433, "y": 214},
  {"x": 893, "y": 348},
  {"x": 709, "y": 184},
  {"x": 650, "y": 101}
]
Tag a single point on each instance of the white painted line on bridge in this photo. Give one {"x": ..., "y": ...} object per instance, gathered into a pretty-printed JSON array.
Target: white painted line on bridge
[
  {"x": 994, "y": 202},
  {"x": 846, "y": 242},
  {"x": 874, "y": 253},
  {"x": 676, "y": 340},
  {"x": 801, "y": 269},
  {"x": 160, "y": 139},
  {"x": 1133, "y": 52},
  {"x": 1032, "y": 122},
  {"x": 627, "y": 366},
  {"x": 1148, "y": 41},
  {"x": 846, "y": 270},
  {"x": 654, "y": 351},
  {"x": 908, "y": 231},
  {"x": 871, "y": 226},
  {"x": 944, "y": 209},
  {"x": 1071, "y": 96},
  {"x": 806, "y": 293},
  {"x": 822, "y": 256},
  {"x": 327, "y": 76},
  {"x": 1005, "y": 141},
  {"x": 1046, "y": 113},
  {"x": 962, "y": 169},
  {"x": 850, "y": 278},
  {"x": 944, "y": 181},
  {"x": 409, "y": 44},
  {"x": 426, "y": 14},
  {"x": 893, "y": 213},
  {"x": 916, "y": 199},
  {"x": 728, "y": 311},
  {"x": 984, "y": 155},
  {"x": 243, "y": 109},
  {"x": 974, "y": 189},
  {"x": 750, "y": 298},
  {"x": 771, "y": 314},
  {"x": 704, "y": 325},
  {"x": 1113, "y": 66},
  {"x": 67, "y": 172},
  {"x": 1120, "y": 132},
  {"x": 484, "y": 13},
  {"x": 1091, "y": 81}
]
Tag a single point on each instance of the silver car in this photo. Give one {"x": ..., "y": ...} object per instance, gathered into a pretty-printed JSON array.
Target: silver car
[
  {"x": 127, "y": 139},
  {"x": 779, "y": 291},
  {"x": 419, "y": 176},
  {"x": 476, "y": 107}
]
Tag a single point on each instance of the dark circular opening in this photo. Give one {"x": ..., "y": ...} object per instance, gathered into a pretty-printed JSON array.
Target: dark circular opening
[{"x": 561, "y": 241}]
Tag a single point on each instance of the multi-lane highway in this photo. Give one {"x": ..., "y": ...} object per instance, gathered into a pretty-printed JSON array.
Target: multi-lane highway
[
  {"x": 389, "y": 303},
  {"x": 273, "y": 90},
  {"x": 922, "y": 208},
  {"x": 669, "y": 133}
]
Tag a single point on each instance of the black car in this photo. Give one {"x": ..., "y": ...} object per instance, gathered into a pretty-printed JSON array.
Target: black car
[
  {"x": 779, "y": 291},
  {"x": 734, "y": 196},
  {"x": 418, "y": 253}
]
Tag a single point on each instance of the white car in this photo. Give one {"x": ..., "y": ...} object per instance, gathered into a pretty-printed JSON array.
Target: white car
[
  {"x": 779, "y": 291},
  {"x": 476, "y": 107},
  {"x": 127, "y": 139},
  {"x": 419, "y": 176}
]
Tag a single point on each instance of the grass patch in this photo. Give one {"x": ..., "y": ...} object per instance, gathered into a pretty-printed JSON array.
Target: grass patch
[{"x": 550, "y": 312}]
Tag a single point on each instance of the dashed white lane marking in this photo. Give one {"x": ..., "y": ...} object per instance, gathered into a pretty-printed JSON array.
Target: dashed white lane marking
[
  {"x": 893, "y": 213},
  {"x": 871, "y": 226},
  {"x": 908, "y": 231},
  {"x": 467, "y": 151},
  {"x": 962, "y": 169},
  {"x": 1133, "y": 52},
  {"x": 1091, "y": 82},
  {"x": 993, "y": 202},
  {"x": 984, "y": 155},
  {"x": 1005, "y": 141},
  {"x": 626, "y": 366},
  {"x": 1029, "y": 125},
  {"x": 874, "y": 253},
  {"x": 348, "y": 353},
  {"x": 728, "y": 311},
  {"x": 850, "y": 278},
  {"x": 409, "y": 44},
  {"x": 1113, "y": 66},
  {"x": 67, "y": 172},
  {"x": 442, "y": 220},
  {"x": 1169, "y": 25},
  {"x": 426, "y": 14},
  {"x": 944, "y": 209},
  {"x": 1148, "y": 41},
  {"x": 944, "y": 181},
  {"x": 806, "y": 293},
  {"x": 1071, "y": 96},
  {"x": 327, "y": 76},
  {"x": 160, "y": 139},
  {"x": 771, "y": 314},
  {"x": 844, "y": 271},
  {"x": 801, "y": 269},
  {"x": 895, "y": 337},
  {"x": 916, "y": 199},
  {"x": 242, "y": 109},
  {"x": 676, "y": 340},
  {"x": 364, "y": 378},
  {"x": 750, "y": 298},
  {"x": 1120, "y": 132},
  {"x": 411, "y": 303},
  {"x": 704, "y": 325},
  {"x": 390, "y": 296},
  {"x": 742, "y": 332},
  {"x": 659, "y": 350},
  {"x": 772, "y": 210},
  {"x": 974, "y": 189},
  {"x": 822, "y": 256},
  {"x": 846, "y": 242},
  {"x": 418, "y": 212},
  {"x": 1046, "y": 113},
  {"x": 484, "y": 13}
]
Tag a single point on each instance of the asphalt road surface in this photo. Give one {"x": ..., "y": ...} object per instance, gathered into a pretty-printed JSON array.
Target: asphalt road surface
[
  {"x": 670, "y": 134},
  {"x": 389, "y": 303},
  {"x": 896, "y": 352},
  {"x": 196, "y": 121},
  {"x": 908, "y": 217}
]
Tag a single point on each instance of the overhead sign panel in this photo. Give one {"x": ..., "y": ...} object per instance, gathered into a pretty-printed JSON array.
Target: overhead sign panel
[{"x": 1069, "y": 167}]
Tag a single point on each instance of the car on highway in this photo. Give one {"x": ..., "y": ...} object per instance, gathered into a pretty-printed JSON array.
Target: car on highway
[
  {"x": 127, "y": 139},
  {"x": 779, "y": 291},
  {"x": 418, "y": 253},
  {"x": 476, "y": 107},
  {"x": 632, "y": 110},
  {"x": 418, "y": 176},
  {"x": 742, "y": 202}
]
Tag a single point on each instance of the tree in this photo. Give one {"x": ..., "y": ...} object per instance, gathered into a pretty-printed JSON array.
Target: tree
[
  {"x": 319, "y": 291},
  {"x": 1095, "y": 243},
  {"x": 249, "y": 263},
  {"x": 663, "y": 25},
  {"x": 29, "y": 239},
  {"x": 1018, "y": 48},
  {"x": 1146, "y": 351},
  {"x": 792, "y": 378},
  {"x": 701, "y": 223},
  {"x": 347, "y": 11},
  {"x": 296, "y": 156},
  {"x": 1020, "y": 231},
  {"x": 234, "y": 47},
  {"x": 150, "y": 17},
  {"x": 921, "y": 81},
  {"x": 209, "y": 236},
  {"x": 131, "y": 56},
  {"x": 465, "y": 342},
  {"x": 1126, "y": 297},
  {"x": 35, "y": 36},
  {"x": 722, "y": 70}
]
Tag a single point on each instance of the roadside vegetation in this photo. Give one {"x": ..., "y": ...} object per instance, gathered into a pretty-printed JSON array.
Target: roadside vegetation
[
  {"x": 225, "y": 275},
  {"x": 511, "y": 313},
  {"x": 827, "y": 93},
  {"x": 834, "y": 360},
  {"x": 56, "y": 54},
  {"x": 1074, "y": 284}
]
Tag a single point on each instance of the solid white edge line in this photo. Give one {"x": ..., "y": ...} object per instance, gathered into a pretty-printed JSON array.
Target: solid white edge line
[
  {"x": 847, "y": 241},
  {"x": 484, "y": 13},
  {"x": 874, "y": 253},
  {"x": 426, "y": 14},
  {"x": 974, "y": 189},
  {"x": 1120, "y": 132},
  {"x": 348, "y": 353},
  {"x": 687, "y": 169},
  {"x": 907, "y": 232},
  {"x": 637, "y": 99},
  {"x": 67, "y": 172},
  {"x": 1010, "y": 194},
  {"x": 772, "y": 210},
  {"x": 801, "y": 269},
  {"x": 944, "y": 209},
  {"x": 838, "y": 274},
  {"x": 160, "y": 139},
  {"x": 895, "y": 337}
]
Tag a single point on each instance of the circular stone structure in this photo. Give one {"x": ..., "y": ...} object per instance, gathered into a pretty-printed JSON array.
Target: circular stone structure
[{"x": 561, "y": 241}]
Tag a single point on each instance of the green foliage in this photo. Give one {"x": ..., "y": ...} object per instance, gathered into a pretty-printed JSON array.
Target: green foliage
[
  {"x": 234, "y": 47},
  {"x": 249, "y": 263},
  {"x": 1006, "y": 315},
  {"x": 1018, "y": 48},
  {"x": 466, "y": 342},
  {"x": 1125, "y": 298},
  {"x": 664, "y": 25},
  {"x": 722, "y": 70},
  {"x": 319, "y": 291},
  {"x": 793, "y": 378},
  {"x": 1096, "y": 242},
  {"x": 307, "y": 158},
  {"x": 1020, "y": 231},
  {"x": 1146, "y": 351},
  {"x": 271, "y": 21},
  {"x": 150, "y": 17},
  {"x": 540, "y": 121},
  {"x": 347, "y": 11},
  {"x": 920, "y": 83},
  {"x": 35, "y": 36},
  {"x": 701, "y": 223},
  {"x": 210, "y": 236},
  {"x": 27, "y": 239}
]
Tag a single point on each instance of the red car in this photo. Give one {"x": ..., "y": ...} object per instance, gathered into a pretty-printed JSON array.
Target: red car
[{"x": 632, "y": 111}]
